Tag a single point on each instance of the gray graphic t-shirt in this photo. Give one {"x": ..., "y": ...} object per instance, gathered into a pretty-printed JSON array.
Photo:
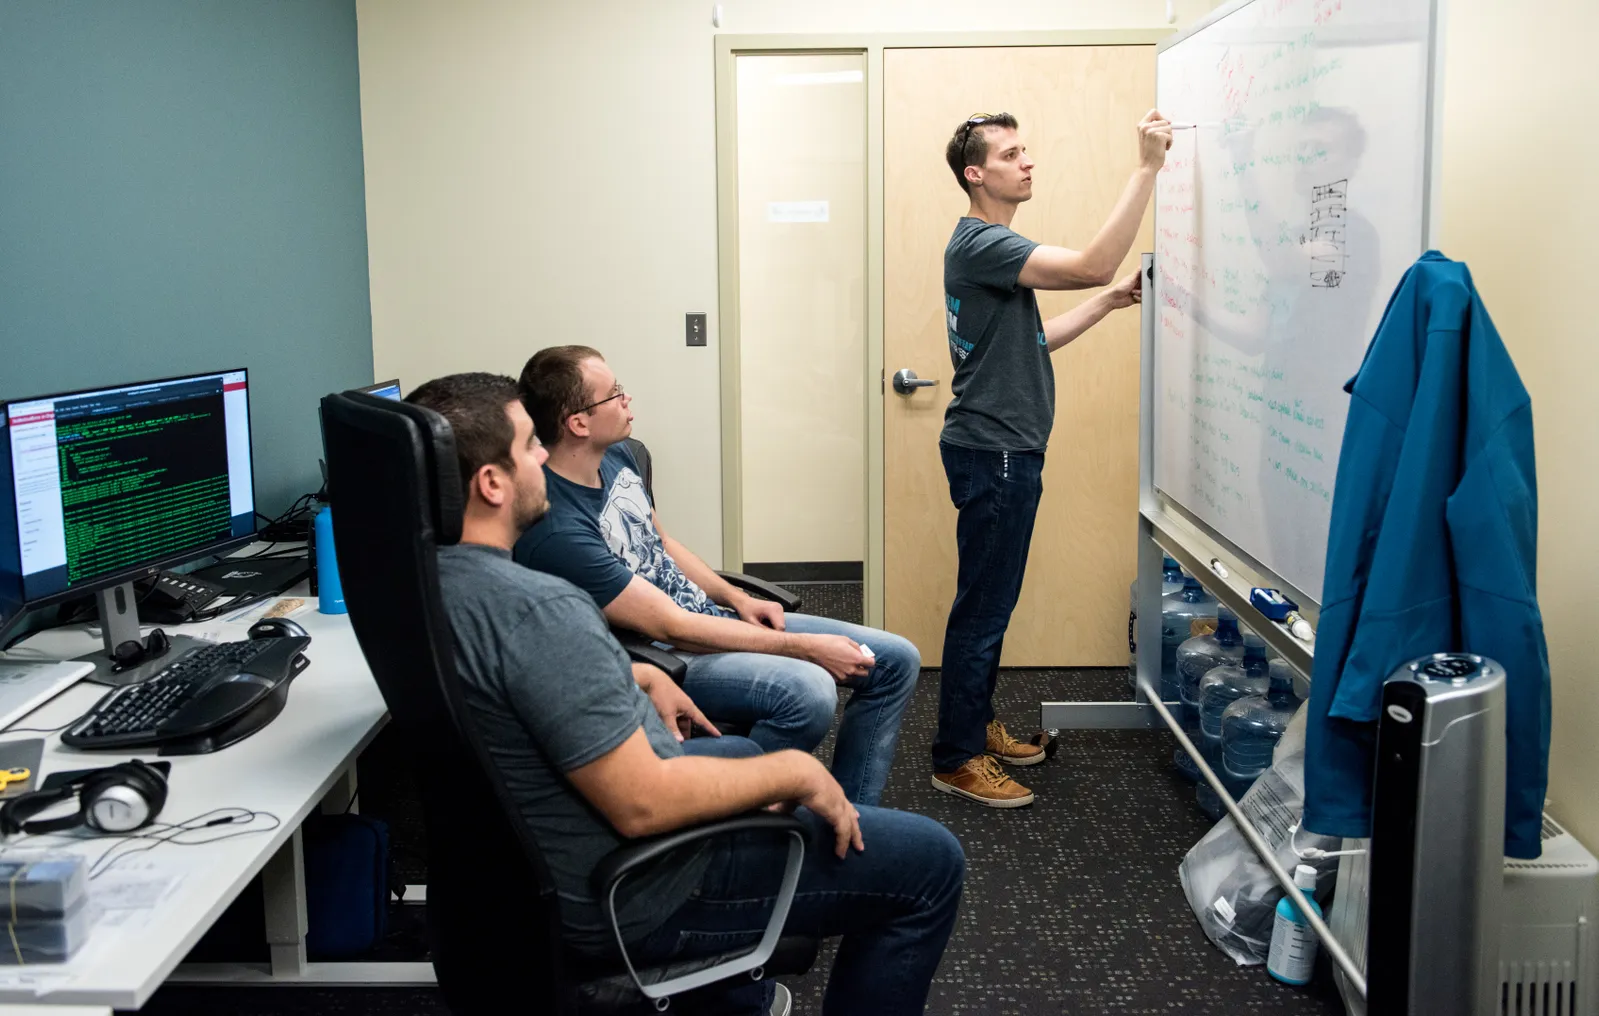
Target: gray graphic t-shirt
[
  {"x": 598, "y": 538},
  {"x": 1004, "y": 385}
]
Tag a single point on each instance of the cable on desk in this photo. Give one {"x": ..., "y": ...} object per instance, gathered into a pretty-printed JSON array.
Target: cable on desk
[
  {"x": 101, "y": 865},
  {"x": 158, "y": 833},
  {"x": 37, "y": 730}
]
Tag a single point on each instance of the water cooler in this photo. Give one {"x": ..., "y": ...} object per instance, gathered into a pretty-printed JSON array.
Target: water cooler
[{"x": 1437, "y": 845}]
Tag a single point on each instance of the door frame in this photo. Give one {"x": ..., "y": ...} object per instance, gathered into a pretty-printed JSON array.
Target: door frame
[{"x": 728, "y": 48}]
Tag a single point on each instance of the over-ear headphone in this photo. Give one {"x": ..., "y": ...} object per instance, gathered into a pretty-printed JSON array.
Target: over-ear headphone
[{"x": 116, "y": 799}]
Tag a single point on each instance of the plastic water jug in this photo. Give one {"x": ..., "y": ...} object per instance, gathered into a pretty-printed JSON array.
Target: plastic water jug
[
  {"x": 1218, "y": 690},
  {"x": 1171, "y": 581},
  {"x": 1179, "y": 611},
  {"x": 1196, "y": 658},
  {"x": 1251, "y": 728}
]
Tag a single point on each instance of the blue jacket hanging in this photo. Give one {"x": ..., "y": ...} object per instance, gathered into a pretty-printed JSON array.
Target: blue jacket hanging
[{"x": 1433, "y": 546}]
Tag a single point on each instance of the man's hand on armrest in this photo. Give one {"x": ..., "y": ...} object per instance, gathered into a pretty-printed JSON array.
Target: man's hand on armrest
[
  {"x": 642, "y": 794},
  {"x": 645, "y": 609}
]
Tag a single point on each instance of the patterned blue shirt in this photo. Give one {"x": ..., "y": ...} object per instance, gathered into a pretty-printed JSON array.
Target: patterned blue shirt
[{"x": 598, "y": 538}]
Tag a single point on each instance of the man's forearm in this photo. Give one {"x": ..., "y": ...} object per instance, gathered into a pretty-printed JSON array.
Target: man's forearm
[
  {"x": 1060, "y": 330},
  {"x": 700, "y": 789},
  {"x": 1105, "y": 253},
  {"x": 703, "y": 633}
]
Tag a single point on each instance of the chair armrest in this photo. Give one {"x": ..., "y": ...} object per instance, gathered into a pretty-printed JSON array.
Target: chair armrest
[
  {"x": 641, "y": 650},
  {"x": 763, "y": 589},
  {"x": 626, "y": 859},
  {"x": 614, "y": 867}
]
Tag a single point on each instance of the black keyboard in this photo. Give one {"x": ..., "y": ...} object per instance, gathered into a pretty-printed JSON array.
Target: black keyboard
[{"x": 207, "y": 698}]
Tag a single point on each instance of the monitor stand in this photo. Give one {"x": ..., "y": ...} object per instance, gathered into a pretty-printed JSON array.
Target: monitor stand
[{"x": 119, "y": 623}]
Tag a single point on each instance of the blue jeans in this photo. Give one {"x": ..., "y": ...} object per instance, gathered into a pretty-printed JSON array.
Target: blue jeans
[
  {"x": 788, "y": 703},
  {"x": 726, "y": 746},
  {"x": 894, "y": 904},
  {"x": 996, "y": 494}
]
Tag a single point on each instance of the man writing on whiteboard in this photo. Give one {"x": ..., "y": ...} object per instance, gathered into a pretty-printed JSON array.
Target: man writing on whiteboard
[{"x": 998, "y": 423}]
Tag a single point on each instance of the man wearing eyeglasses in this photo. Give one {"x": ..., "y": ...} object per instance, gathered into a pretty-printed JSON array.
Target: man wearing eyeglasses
[
  {"x": 749, "y": 663},
  {"x": 997, "y": 425}
]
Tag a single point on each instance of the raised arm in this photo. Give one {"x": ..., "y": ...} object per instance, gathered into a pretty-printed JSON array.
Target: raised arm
[{"x": 1052, "y": 268}]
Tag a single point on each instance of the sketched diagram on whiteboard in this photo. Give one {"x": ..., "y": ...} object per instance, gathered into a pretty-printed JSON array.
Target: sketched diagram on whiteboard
[{"x": 1329, "y": 215}]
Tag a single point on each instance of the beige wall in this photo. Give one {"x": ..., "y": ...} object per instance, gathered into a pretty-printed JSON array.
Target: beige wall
[
  {"x": 540, "y": 172},
  {"x": 802, "y": 307},
  {"x": 1517, "y": 170}
]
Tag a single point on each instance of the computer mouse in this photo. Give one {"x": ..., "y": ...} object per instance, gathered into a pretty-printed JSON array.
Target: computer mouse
[{"x": 276, "y": 628}]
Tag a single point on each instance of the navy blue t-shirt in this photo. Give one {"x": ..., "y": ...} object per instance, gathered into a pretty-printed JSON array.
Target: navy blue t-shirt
[{"x": 598, "y": 538}]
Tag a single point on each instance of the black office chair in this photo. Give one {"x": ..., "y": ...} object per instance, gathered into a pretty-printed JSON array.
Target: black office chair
[{"x": 493, "y": 913}]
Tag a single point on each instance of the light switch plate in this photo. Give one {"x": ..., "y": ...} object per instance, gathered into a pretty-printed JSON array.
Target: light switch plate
[{"x": 694, "y": 326}]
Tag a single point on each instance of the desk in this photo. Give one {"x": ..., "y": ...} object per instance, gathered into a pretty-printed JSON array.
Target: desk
[{"x": 303, "y": 758}]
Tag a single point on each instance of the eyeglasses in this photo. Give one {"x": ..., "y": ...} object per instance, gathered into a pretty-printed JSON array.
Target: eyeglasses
[
  {"x": 616, "y": 393},
  {"x": 974, "y": 122}
]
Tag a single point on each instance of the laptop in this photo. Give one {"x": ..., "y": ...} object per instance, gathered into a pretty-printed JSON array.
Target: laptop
[{"x": 26, "y": 684}]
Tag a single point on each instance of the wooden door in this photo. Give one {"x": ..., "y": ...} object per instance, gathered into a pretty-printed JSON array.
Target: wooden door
[{"x": 1078, "y": 107}]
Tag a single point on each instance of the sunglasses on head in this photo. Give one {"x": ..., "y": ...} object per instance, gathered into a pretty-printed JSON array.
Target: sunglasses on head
[{"x": 974, "y": 122}]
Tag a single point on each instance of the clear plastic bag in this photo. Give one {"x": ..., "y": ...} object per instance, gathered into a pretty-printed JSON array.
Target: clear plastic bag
[{"x": 1229, "y": 888}]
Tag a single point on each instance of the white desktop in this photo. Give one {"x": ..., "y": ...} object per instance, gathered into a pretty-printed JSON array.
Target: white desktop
[{"x": 281, "y": 773}]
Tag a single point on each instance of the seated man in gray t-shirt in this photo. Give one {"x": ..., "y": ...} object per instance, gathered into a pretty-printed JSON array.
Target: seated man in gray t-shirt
[{"x": 591, "y": 764}]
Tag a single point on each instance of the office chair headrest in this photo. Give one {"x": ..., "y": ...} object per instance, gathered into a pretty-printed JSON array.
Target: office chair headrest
[{"x": 430, "y": 435}]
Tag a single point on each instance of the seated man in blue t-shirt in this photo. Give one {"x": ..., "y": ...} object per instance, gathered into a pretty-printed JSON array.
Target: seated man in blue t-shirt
[{"x": 748, "y": 662}]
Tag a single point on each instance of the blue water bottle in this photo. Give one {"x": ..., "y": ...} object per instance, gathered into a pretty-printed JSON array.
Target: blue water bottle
[
  {"x": 330, "y": 594},
  {"x": 1292, "y": 958}
]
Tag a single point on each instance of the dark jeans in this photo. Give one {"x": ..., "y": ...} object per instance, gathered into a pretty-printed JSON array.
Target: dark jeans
[
  {"x": 894, "y": 904},
  {"x": 997, "y": 496},
  {"x": 726, "y": 746}
]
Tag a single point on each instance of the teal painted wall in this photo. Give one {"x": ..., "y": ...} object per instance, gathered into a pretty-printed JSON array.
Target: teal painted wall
[{"x": 181, "y": 190}]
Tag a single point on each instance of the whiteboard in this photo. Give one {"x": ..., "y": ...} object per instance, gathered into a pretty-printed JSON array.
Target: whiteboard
[{"x": 1283, "y": 222}]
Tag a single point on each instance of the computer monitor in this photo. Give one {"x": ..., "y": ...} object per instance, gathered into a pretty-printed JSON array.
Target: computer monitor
[
  {"x": 102, "y": 486},
  {"x": 389, "y": 389}
]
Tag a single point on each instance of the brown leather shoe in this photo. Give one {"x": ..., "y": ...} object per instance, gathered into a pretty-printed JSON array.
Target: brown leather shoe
[
  {"x": 1011, "y": 751},
  {"x": 982, "y": 780}
]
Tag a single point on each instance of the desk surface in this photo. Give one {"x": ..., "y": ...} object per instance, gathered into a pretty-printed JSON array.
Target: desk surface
[{"x": 333, "y": 712}]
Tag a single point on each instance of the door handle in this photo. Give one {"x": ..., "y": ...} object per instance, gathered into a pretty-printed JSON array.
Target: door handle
[{"x": 906, "y": 381}]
